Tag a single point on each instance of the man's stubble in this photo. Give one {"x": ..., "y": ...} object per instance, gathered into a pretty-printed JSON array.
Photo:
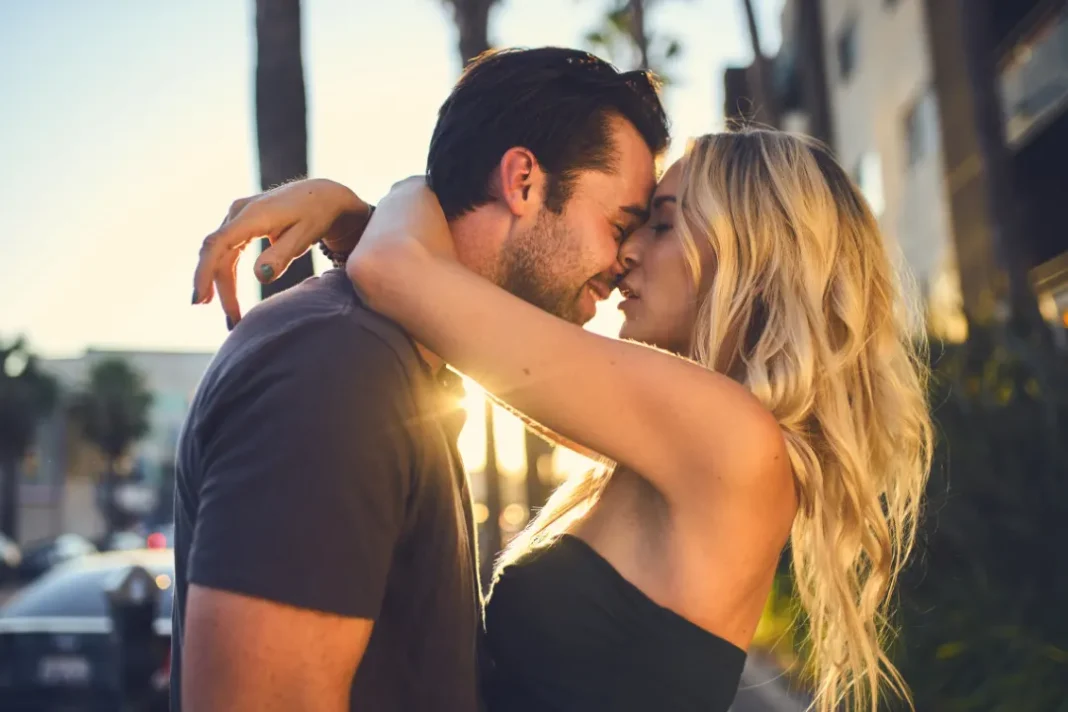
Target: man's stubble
[{"x": 543, "y": 266}]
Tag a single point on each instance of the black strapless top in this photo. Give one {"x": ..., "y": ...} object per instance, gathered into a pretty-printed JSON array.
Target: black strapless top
[{"x": 567, "y": 633}]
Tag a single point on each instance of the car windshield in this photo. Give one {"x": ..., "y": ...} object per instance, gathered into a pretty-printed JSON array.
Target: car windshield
[{"x": 79, "y": 590}]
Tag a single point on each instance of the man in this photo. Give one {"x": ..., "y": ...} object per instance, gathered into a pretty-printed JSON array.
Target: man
[{"x": 324, "y": 541}]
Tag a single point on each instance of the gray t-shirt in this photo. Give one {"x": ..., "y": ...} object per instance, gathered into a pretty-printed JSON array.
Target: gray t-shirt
[{"x": 318, "y": 468}]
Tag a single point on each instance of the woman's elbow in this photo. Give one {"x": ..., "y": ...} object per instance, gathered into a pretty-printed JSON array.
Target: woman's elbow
[{"x": 372, "y": 268}]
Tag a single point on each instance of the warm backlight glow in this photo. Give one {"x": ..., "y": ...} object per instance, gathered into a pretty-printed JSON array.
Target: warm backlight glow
[{"x": 509, "y": 431}]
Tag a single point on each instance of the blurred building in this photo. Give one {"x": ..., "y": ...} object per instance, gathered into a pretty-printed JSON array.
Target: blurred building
[
  {"x": 59, "y": 489},
  {"x": 885, "y": 83}
]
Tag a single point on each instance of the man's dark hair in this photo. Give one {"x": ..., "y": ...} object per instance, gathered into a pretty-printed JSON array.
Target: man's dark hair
[{"x": 555, "y": 102}]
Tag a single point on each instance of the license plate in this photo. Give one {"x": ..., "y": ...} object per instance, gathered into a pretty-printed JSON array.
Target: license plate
[{"x": 63, "y": 670}]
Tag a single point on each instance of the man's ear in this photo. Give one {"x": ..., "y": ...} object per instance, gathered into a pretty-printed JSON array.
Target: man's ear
[{"x": 522, "y": 182}]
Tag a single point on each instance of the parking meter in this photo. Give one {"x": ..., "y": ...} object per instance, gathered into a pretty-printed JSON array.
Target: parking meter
[{"x": 133, "y": 603}]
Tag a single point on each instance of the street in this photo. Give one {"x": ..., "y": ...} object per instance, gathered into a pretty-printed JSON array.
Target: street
[{"x": 6, "y": 592}]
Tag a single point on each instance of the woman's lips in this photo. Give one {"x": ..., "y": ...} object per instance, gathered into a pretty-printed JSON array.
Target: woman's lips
[{"x": 628, "y": 303}]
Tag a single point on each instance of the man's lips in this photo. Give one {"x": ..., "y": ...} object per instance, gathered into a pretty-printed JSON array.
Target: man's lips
[{"x": 600, "y": 291}]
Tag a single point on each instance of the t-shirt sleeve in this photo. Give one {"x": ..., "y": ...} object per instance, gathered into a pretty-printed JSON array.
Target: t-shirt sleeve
[{"x": 306, "y": 472}]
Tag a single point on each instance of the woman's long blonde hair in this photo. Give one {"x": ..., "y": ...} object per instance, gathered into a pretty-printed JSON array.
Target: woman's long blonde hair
[{"x": 806, "y": 310}]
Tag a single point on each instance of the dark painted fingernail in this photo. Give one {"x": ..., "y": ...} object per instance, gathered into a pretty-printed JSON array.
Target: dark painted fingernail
[
  {"x": 195, "y": 296},
  {"x": 229, "y": 324},
  {"x": 266, "y": 272}
]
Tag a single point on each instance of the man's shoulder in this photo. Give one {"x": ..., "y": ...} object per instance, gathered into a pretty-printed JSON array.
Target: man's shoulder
[
  {"x": 320, "y": 321},
  {"x": 317, "y": 330}
]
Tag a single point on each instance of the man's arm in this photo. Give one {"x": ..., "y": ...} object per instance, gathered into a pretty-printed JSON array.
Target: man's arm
[
  {"x": 303, "y": 494},
  {"x": 243, "y": 653}
]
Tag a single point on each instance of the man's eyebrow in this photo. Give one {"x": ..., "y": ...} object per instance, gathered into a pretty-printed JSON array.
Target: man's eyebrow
[
  {"x": 661, "y": 199},
  {"x": 638, "y": 211}
]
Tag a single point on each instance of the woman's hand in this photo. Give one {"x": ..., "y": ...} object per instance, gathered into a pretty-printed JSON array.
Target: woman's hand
[
  {"x": 409, "y": 226},
  {"x": 293, "y": 217}
]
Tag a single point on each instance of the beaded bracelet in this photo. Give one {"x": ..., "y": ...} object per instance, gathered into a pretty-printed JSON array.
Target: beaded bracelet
[{"x": 338, "y": 259}]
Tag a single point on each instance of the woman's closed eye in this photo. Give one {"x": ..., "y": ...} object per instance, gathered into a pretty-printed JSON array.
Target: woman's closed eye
[{"x": 661, "y": 228}]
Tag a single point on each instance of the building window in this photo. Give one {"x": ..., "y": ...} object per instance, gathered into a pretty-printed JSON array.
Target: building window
[
  {"x": 847, "y": 50},
  {"x": 1034, "y": 78},
  {"x": 868, "y": 175},
  {"x": 921, "y": 127}
]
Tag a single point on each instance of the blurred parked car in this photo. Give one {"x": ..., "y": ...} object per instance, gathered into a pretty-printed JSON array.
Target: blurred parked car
[
  {"x": 122, "y": 541},
  {"x": 39, "y": 557},
  {"x": 57, "y": 651},
  {"x": 10, "y": 559}
]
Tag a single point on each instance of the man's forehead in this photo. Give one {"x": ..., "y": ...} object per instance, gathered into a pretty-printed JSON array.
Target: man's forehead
[
  {"x": 631, "y": 179},
  {"x": 620, "y": 191},
  {"x": 635, "y": 163},
  {"x": 640, "y": 174},
  {"x": 628, "y": 189},
  {"x": 637, "y": 190}
]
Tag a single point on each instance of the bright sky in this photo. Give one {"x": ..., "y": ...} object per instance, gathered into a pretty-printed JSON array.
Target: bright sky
[{"x": 128, "y": 128}]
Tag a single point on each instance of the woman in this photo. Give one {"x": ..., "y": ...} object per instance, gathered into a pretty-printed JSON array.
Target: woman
[{"x": 784, "y": 403}]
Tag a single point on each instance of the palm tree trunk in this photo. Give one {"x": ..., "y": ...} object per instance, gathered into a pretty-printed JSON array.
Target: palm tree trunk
[
  {"x": 765, "y": 99},
  {"x": 812, "y": 68},
  {"x": 471, "y": 18},
  {"x": 9, "y": 497},
  {"x": 281, "y": 112},
  {"x": 637, "y": 31},
  {"x": 997, "y": 168},
  {"x": 493, "y": 499},
  {"x": 110, "y": 506},
  {"x": 537, "y": 489}
]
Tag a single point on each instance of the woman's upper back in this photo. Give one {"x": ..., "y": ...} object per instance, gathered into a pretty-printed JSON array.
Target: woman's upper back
[
  {"x": 710, "y": 559},
  {"x": 567, "y": 632},
  {"x": 644, "y": 604}
]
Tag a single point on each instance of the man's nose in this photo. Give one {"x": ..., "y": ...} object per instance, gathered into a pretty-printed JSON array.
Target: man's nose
[{"x": 627, "y": 258}]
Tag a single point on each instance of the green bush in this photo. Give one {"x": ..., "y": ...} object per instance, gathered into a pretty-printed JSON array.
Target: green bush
[{"x": 982, "y": 607}]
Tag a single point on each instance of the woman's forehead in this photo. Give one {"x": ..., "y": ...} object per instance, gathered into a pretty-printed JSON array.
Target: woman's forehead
[{"x": 669, "y": 183}]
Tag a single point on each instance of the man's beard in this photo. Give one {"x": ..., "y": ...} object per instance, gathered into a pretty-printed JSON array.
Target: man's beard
[{"x": 535, "y": 265}]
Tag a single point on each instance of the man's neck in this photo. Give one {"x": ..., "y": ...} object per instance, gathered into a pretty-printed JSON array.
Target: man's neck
[{"x": 479, "y": 237}]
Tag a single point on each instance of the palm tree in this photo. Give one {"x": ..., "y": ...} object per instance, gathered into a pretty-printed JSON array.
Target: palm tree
[
  {"x": 471, "y": 18},
  {"x": 624, "y": 31},
  {"x": 639, "y": 32},
  {"x": 27, "y": 395},
  {"x": 112, "y": 411},
  {"x": 281, "y": 112}
]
